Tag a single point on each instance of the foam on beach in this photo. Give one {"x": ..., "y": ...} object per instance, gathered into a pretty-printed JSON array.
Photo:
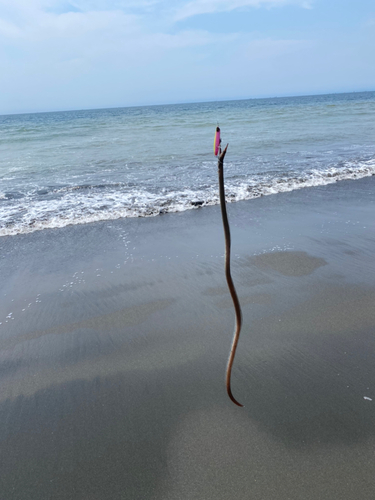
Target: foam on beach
[{"x": 73, "y": 205}]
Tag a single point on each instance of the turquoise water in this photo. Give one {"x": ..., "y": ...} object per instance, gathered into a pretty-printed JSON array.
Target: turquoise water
[{"x": 76, "y": 167}]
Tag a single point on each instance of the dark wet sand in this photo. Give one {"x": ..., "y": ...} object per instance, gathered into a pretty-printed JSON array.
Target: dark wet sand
[{"x": 114, "y": 341}]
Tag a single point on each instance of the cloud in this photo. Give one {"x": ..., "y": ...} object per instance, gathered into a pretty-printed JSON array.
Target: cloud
[
  {"x": 197, "y": 7},
  {"x": 9, "y": 30},
  {"x": 124, "y": 5},
  {"x": 63, "y": 15},
  {"x": 74, "y": 43},
  {"x": 48, "y": 30},
  {"x": 66, "y": 54}
]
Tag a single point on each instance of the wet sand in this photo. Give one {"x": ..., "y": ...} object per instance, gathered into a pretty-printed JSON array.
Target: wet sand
[{"x": 114, "y": 339}]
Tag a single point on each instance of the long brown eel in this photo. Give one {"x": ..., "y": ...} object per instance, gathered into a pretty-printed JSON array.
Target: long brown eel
[{"x": 236, "y": 303}]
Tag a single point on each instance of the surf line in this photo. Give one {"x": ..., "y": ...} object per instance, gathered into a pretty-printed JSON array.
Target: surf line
[{"x": 237, "y": 308}]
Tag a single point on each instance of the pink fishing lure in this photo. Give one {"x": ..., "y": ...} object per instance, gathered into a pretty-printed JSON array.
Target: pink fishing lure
[{"x": 217, "y": 141}]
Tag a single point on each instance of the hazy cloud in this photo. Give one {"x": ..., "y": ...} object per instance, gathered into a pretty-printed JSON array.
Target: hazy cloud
[
  {"x": 69, "y": 54},
  {"x": 196, "y": 7}
]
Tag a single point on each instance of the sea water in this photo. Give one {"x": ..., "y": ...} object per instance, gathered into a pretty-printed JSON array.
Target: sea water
[{"x": 76, "y": 167}]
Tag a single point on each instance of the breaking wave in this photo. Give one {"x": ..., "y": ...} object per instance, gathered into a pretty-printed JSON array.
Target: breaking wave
[{"x": 58, "y": 207}]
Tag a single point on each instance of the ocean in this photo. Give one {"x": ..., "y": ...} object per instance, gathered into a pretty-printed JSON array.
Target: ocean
[{"x": 76, "y": 167}]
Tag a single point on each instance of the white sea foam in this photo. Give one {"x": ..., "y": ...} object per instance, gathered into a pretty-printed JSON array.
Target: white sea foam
[{"x": 81, "y": 206}]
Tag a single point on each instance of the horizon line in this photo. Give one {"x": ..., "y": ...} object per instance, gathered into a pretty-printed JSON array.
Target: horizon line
[{"x": 184, "y": 102}]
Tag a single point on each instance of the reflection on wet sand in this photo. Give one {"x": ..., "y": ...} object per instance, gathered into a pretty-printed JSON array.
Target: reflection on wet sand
[{"x": 288, "y": 263}]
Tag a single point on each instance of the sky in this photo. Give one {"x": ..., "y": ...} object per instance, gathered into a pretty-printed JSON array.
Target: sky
[{"x": 85, "y": 54}]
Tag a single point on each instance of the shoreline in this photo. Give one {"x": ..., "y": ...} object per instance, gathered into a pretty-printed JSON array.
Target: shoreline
[{"x": 245, "y": 191}]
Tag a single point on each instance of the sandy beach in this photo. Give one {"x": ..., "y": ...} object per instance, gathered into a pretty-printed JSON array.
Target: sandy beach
[{"x": 114, "y": 338}]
